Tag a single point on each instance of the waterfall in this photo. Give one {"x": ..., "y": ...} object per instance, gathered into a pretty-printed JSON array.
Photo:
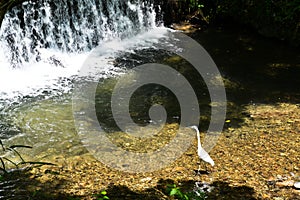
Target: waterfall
[
  {"x": 70, "y": 26},
  {"x": 48, "y": 39}
]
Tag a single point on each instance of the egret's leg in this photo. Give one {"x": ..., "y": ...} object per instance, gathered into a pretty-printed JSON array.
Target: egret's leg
[{"x": 198, "y": 172}]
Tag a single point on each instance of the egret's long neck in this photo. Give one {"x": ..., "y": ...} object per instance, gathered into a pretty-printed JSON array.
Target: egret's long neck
[{"x": 198, "y": 138}]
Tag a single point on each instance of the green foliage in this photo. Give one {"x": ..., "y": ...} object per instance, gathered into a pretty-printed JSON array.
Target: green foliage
[
  {"x": 102, "y": 195},
  {"x": 196, "y": 4},
  {"x": 284, "y": 12},
  {"x": 281, "y": 11},
  {"x": 175, "y": 191},
  {"x": 278, "y": 19}
]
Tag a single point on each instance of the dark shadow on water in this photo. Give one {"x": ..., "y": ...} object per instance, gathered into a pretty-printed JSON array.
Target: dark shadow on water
[
  {"x": 21, "y": 185},
  {"x": 122, "y": 192},
  {"x": 222, "y": 190},
  {"x": 264, "y": 70},
  {"x": 256, "y": 70}
]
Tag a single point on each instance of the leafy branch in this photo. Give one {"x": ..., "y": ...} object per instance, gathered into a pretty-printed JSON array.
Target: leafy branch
[
  {"x": 175, "y": 191},
  {"x": 4, "y": 160}
]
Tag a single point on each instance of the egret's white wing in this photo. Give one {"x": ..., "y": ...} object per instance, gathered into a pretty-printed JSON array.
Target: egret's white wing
[{"x": 204, "y": 156}]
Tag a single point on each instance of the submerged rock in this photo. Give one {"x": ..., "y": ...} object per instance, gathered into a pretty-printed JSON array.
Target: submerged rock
[{"x": 297, "y": 185}]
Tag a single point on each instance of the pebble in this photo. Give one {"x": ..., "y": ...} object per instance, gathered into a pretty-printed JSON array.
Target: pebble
[
  {"x": 278, "y": 198},
  {"x": 297, "y": 185},
  {"x": 279, "y": 177},
  {"x": 146, "y": 179},
  {"x": 285, "y": 184}
]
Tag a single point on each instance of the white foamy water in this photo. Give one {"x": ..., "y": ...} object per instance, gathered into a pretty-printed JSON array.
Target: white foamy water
[
  {"x": 34, "y": 77},
  {"x": 42, "y": 51},
  {"x": 56, "y": 69}
]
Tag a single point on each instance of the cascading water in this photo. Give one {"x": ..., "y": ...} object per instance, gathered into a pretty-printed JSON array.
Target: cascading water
[
  {"x": 71, "y": 26},
  {"x": 49, "y": 39},
  {"x": 43, "y": 45}
]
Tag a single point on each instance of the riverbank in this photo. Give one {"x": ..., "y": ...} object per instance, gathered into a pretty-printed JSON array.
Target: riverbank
[{"x": 257, "y": 160}]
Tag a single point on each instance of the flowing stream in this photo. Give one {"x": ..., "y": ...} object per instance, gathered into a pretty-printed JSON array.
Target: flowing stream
[
  {"x": 43, "y": 46},
  {"x": 41, "y": 42}
]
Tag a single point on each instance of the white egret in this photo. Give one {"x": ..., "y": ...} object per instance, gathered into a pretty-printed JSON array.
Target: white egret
[{"x": 201, "y": 152}]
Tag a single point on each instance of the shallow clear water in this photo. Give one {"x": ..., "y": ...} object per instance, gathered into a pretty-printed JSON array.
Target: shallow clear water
[
  {"x": 41, "y": 53},
  {"x": 43, "y": 117},
  {"x": 36, "y": 98}
]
